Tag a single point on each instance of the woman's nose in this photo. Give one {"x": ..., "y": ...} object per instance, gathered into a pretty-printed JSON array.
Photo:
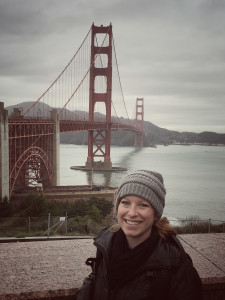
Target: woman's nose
[{"x": 132, "y": 211}]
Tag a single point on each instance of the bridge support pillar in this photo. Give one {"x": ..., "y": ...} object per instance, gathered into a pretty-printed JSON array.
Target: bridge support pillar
[
  {"x": 55, "y": 147},
  {"x": 99, "y": 140},
  {"x": 139, "y": 136},
  {"x": 4, "y": 152}
]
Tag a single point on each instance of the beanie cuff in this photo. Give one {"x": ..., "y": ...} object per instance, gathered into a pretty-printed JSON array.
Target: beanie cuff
[{"x": 142, "y": 191}]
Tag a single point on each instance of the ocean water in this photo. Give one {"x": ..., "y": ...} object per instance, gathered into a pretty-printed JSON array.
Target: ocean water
[{"x": 194, "y": 176}]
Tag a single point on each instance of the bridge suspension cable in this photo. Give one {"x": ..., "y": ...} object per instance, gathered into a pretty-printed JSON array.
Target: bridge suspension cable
[
  {"x": 73, "y": 73},
  {"x": 118, "y": 73},
  {"x": 73, "y": 84},
  {"x": 79, "y": 85}
]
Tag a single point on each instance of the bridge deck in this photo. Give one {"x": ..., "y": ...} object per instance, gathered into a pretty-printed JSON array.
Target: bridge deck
[{"x": 56, "y": 268}]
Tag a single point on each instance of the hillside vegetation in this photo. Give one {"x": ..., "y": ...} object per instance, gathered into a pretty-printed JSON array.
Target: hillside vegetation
[{"x": 154, "y": 135}]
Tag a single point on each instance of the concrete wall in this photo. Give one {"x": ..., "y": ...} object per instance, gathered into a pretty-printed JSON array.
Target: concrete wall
[{"x": 54, "y": 268}]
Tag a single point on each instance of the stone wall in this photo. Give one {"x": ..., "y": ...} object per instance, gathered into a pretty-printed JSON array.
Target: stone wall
[{"x": 55, "y": 268}]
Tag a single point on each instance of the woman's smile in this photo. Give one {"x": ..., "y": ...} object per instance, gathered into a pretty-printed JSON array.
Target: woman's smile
[
  {"x": 136, "y": 217},
  {"x": 132, "y": 223}
]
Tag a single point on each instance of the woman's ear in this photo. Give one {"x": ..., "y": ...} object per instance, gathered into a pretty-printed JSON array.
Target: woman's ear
[{"x": 115, "y": 228}]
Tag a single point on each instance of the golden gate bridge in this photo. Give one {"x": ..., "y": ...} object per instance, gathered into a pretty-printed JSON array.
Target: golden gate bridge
[{"x": 83, "y": 97}]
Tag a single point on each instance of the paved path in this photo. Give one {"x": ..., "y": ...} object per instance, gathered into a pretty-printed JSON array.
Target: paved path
[
  {"x": 56, "y": 266},
  {"x": 207, "y": 252}
]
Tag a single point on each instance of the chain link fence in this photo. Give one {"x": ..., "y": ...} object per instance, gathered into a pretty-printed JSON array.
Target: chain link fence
[
  {"x": 50, "y": 225},
  {"x": 197, "y": 225}
]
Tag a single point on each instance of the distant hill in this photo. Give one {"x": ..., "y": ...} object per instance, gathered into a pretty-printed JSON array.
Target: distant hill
[{"x": 154, "y": 135}]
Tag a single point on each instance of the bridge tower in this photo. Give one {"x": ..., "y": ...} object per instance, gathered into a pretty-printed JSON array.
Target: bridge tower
[
  {"x": 4, "y": 152},
  {"x": 99, "y": 140},
  {"x": 138, "y": 142}
]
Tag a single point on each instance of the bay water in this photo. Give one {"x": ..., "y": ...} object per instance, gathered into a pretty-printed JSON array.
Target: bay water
[{"x": 194, "y": 176}]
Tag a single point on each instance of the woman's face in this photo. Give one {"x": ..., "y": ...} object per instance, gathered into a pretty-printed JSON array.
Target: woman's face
[{"x": 135, "y": 217}]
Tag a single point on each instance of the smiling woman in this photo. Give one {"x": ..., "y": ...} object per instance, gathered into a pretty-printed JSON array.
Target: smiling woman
[
  {"x": 136, "y": 217},
  {"x": 141, "y": 257}
]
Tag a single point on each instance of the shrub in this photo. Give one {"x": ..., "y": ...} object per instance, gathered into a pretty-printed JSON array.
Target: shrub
[
  {"x": 34, "y": 205},
  {"x": 95, "y": 214},
  {"x": 5, "y": 207},
  {"x": 196, "y": 225}
]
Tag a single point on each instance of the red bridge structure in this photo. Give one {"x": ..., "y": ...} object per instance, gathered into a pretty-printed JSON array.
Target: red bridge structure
[{"x": 83, "y": 97}]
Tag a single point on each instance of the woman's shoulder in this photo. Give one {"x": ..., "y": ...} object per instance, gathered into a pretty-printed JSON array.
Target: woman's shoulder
[
  {"x": 105, "y": 231},
  {"x": 168, "y": 252},
  {"x": 104, "y": 237}
]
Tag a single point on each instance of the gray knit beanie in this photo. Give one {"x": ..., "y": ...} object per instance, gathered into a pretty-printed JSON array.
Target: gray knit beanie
[{"x": 145, "y": 184}]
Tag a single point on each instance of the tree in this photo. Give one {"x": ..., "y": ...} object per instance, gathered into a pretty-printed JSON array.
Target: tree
[
  {"x": 95, "y": 214},
  {"x": 104, "y": 206},
  {"x": 34, "y": 205},
  {"x": 5, "y": 207}
]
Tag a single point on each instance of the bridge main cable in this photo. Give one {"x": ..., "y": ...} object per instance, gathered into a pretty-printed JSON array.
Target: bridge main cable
[
  {"x": 59, "y": 74},
  {"x": 91, "y": 65}
]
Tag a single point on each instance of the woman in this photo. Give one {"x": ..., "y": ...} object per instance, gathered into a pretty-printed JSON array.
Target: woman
[{"x": 140, "y": 257}]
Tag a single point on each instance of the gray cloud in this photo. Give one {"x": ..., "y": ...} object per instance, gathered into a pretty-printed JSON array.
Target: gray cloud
[{"x": 172, "y": 53}]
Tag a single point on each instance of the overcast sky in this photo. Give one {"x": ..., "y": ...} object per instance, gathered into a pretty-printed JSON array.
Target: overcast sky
[{"x": 170, "y": 52}]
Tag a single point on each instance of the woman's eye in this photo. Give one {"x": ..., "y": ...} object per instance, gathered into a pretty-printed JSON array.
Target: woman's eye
[
  {"x": 144, "y": 205},
  {"x": 125, "y": 203}
]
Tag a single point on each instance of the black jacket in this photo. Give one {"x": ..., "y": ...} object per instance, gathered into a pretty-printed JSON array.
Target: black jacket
[{"x": 167, "y": 274}]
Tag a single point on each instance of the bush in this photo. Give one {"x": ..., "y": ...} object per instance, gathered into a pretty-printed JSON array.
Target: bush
[
  {"x": 5, "y": 207},
  {"x": 104, "y": 206},
  {"x": 95, "y": 214},
  {"x": 85, "y": 216},
  {"x": 34, "y": 205},
  {"x": 21, "y": 235},
  {"x": 195, "y": 225},
  {"x": 78, "y": 224}
]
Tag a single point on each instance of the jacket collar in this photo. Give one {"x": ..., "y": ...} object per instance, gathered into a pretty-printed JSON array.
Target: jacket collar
[{"x": 166, "y": 254}]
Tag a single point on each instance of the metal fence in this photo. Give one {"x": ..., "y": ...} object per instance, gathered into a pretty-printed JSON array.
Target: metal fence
[
  {"x": 33, "y": 226},
  {"x": 70, "y": 225},
  {"x": 195, "y": 225}
]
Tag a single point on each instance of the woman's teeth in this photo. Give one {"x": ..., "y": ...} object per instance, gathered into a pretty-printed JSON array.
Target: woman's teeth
[{"x": 132, "y": 222}]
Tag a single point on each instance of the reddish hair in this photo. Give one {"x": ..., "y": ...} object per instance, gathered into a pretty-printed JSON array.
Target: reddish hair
[{"x": 164, "y": 228}]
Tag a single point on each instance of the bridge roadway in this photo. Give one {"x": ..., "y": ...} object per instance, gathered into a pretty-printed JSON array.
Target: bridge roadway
[
  {"x": 54, "y": 269},
  {"x": 34, "y": 127}
]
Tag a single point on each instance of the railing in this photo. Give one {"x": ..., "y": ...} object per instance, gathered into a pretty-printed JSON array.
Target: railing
[
  {"x": 74, "y": 225},
  {"x": 197, "y": 225}
]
